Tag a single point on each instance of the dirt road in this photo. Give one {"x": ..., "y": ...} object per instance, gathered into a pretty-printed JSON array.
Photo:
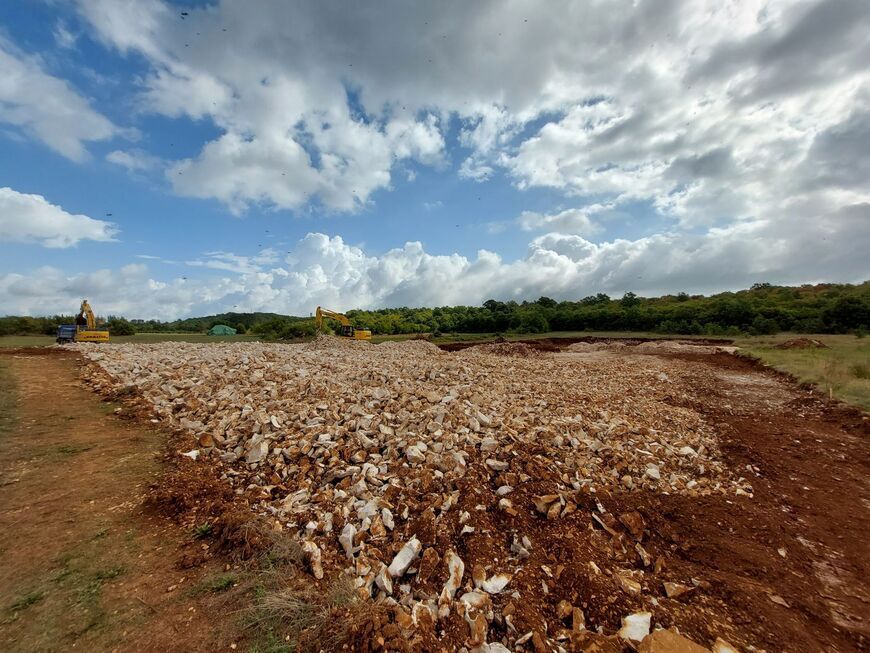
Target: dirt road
[
  {"x": 791, "y": 565},
  {"x": 82, "y": 564}
]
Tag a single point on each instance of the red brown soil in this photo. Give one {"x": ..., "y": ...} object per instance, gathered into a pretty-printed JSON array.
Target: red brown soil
[
  {"x": 811, "y": 499},
  {"x": 84, "y": 565}
]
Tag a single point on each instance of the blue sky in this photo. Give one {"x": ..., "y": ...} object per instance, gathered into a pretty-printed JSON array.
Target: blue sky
[{"x": 285, "y": 156}]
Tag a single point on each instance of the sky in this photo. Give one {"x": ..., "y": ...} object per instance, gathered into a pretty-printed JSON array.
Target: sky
[{"x": 168, "y": 159}]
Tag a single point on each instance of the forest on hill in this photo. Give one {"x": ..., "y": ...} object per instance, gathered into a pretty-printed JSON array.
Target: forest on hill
[{"x": 762, "y": 309}]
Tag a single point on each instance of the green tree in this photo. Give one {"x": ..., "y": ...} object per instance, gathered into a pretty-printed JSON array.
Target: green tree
[{"x": 629, "y": 300}]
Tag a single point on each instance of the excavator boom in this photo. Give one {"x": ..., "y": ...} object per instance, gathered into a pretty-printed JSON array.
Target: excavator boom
[
  {"x": 86, "y": 316},
  {"x": 347, "y": 329}
]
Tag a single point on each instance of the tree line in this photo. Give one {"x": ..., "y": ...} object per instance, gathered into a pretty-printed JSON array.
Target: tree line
[{"x": 762, "y": 309}]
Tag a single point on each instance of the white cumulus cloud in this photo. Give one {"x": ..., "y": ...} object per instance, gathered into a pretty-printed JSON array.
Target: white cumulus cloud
[
  {"x": 47, "y": 107},
  {"x": 26, "y": 218},
  {"x": 326, "y": 270}
]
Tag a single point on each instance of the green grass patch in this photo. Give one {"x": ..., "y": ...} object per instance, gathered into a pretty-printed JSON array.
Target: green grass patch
[
  {"x": 842, "y": 369},
  {"x": 144, "y": 338},
  {"x": 201, "y": 531},
  {"x": 26, "y": 601},
  {"x": 100, "y": 534},
  {"x": 72, "y": 449},
  {"x": 215, "y": 584},
  {"x": 92, "y": 588},
  {"x": 26, "y": 341},
  {"x": 272, "y": 643}
]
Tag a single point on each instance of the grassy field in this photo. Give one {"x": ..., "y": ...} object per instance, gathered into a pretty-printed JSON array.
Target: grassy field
[
  {"x": 144, "y": 338},
  {"x": 842, "y": 370}
]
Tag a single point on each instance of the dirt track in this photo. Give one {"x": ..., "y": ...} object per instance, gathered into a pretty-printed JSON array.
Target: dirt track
[
  {"x": 83, "y": 566},
  {"x": 811, "y": 503}
]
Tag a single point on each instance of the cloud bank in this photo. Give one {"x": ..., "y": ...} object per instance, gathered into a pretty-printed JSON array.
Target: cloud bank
[{"x": 324, "y": 270}]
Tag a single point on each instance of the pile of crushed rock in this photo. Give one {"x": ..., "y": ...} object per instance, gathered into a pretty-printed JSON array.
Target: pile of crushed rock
[{"x": 437, "y": 480}]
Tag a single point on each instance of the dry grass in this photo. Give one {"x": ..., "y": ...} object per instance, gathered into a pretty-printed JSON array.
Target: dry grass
[
  {"x": 306, "y": 618},
  {"x": 842, "y": 369},
  {"x": 284, "y": 610}
]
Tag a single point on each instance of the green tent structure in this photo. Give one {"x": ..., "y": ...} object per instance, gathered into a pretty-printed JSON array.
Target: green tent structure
[{"x": 221, "y": 330}]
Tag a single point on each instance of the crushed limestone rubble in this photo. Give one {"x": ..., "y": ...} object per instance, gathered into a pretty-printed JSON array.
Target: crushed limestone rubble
[{"x": 392, "y": 460}]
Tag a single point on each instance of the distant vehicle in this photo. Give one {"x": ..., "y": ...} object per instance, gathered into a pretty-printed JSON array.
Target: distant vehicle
[
  {"x": 347, "y": 329},
  {"x": 84, "y": 330}
]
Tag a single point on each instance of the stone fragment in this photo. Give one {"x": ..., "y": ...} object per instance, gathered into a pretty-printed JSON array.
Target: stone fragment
[
  {"x": 645, "y": 558},
  {"x": 633, "y": 522},
  {"x": 383, "y": 580},
  {"x": 543, "y": 503},
  {"x": 455, "y": 570},
  {"x": 507, "y": 506},
  {"x": 578, "y": 620},
  {"x": 635, "y": 626},
  {"x": 776, "y": 598},
  {"x": 496, "y": 583},
  {"x": 313, "y": 558},
  {"x": 346, "y": 539},
  {"x": 628, "y": 584},
  {"x": 476, "y": 600},
  {"x": 497, "y": 647},
  {"x": 405, "y": 557},
  {"x": 257, "y": 452},
  {"x": 415, "y": 455},
  {"x": 674, "y": 590},
  {"x": 477, "y": 628}
]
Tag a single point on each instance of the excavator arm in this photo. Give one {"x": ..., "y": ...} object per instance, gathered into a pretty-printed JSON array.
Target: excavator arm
[
  {"x": 86, "y": 316},
  {"x": 323, "y": 312},
  {"x": 347, "y": 329}
]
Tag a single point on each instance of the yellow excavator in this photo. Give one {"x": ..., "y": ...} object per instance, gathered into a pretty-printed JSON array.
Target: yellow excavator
[
  {"x": 347, "y": 329},
  {"x": 84, "y": 330}
]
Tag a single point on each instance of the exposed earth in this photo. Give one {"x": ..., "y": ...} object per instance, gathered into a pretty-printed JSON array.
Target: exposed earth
[{"x": 768, "y": 552}]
